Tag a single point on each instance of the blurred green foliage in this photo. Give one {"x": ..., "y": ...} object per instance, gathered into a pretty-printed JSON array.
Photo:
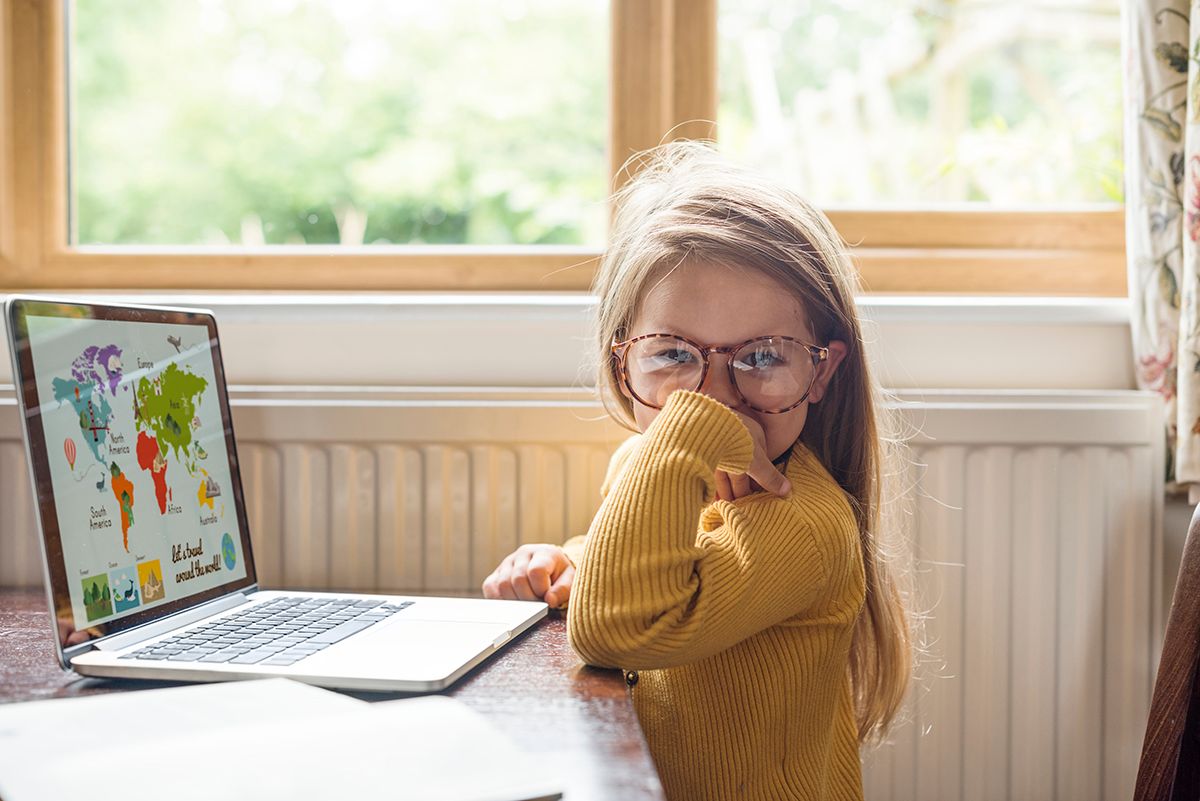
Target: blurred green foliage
[
  {"x": 868, "y": 103},
  {"x": 200, "y": 122},
  {"x": 307, "y": 122}
]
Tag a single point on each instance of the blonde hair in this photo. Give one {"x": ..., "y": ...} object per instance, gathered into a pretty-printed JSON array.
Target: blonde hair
[{"x": 687, "y": 203}]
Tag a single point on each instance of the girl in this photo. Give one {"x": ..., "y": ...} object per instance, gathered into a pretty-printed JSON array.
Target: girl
[{"x": 734, "y": 569}]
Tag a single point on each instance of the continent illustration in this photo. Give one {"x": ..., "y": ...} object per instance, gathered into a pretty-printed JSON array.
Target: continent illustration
[
  {"x": 209, "y": 489},
  {"x": 122, "y": 488},
  {"x": 99, "y": 365},
  {"x": 95, "y": 372},
  {"x": 150, "y": 458},
  {"x": 166, "y": 406}
]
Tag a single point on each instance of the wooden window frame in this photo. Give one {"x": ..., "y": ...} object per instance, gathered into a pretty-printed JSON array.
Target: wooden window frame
[{"x": 663, "y": 82}]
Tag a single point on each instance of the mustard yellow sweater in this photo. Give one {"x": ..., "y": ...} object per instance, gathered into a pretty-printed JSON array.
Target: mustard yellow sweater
[{"x": 736, "y": 616}]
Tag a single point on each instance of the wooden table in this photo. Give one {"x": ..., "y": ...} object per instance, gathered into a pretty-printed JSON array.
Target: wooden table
[{"x": 577, "y": 718}]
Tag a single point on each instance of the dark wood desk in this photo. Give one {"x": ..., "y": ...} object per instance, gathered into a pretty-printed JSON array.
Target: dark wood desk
[{"x": 577, "y": 718}]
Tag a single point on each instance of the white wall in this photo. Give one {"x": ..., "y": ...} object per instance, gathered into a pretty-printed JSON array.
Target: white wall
[{"x": 391, "y": 339}]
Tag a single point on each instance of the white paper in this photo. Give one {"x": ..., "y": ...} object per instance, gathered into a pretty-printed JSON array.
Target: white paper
[
  {"x": 149, "y": 715},
  {"x": 262, "y": 740}
]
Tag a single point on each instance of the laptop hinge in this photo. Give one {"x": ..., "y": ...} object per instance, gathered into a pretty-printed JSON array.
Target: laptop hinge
[{"x": 125, "y": 639}]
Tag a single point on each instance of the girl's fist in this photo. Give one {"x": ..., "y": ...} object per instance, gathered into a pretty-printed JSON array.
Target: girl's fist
[{"x": 540, "y": 572}]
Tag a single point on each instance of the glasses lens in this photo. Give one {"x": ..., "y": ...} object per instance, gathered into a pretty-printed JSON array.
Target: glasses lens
[
  {"x": 657, "y": 366},
  {"x": 773, "y": 374}
]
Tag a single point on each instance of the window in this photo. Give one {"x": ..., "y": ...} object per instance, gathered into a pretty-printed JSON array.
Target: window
[
  {"x": 97, "y": 208},
  {"x": 218, "y": 122},
  {"x": 912, "y": 103},
  {"x": 986, "y": 136}
]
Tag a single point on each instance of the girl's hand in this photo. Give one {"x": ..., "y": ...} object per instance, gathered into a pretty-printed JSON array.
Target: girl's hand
[
  {"x": 761, "y": 474},
  {"x": 539, "y": 572},
  {"x": 731, "y": 486}
]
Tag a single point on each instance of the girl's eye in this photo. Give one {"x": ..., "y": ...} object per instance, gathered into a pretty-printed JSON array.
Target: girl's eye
[
  {"x": 674, "y": 356},
  {"x": 761, "y": 358}
]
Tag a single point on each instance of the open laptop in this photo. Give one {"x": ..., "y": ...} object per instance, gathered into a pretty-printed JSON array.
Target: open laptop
[{"x": 147, "y": 555}]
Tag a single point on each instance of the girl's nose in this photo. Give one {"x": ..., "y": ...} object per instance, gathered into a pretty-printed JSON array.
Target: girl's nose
[{"x": 717, "y": 384}]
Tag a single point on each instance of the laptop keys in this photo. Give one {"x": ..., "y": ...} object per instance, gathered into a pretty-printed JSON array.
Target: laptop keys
[
  {"x": 278, "y": 633},
  {"x": 339, "y": 633}
]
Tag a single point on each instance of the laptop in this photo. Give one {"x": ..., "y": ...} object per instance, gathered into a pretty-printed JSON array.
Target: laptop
[{"x": 145, "y": 544}]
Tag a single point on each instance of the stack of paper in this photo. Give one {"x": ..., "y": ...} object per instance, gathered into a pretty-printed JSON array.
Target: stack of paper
[{"x": 261, "y": 740}]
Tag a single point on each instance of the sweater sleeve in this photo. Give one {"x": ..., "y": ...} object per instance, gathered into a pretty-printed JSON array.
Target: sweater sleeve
[{"x": 652, "y": 592}]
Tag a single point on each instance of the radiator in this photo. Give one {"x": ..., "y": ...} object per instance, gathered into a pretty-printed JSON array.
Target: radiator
[
  {"x": 1038, "y": 534},
  {"x": 1036, "y": 528}
]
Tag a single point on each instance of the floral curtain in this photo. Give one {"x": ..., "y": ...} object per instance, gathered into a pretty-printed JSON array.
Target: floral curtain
[{"x": 1162, "y": 208}]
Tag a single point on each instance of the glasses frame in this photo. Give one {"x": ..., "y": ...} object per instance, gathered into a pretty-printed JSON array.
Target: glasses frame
[{"x": 621, "y": 366}]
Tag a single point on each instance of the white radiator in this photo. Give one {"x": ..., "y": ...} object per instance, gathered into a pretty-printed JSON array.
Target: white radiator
[{"x": 1037, "y": 531}]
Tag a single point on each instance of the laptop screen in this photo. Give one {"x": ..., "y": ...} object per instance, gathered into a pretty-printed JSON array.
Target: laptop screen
[{"x": 134, "y": 461}]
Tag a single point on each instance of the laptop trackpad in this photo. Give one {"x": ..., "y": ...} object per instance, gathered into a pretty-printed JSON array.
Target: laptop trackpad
[{"x": 409, "y": 649}]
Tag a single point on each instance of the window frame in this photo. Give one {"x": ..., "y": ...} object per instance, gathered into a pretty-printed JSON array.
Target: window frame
[{"x": 663, "y": 81}]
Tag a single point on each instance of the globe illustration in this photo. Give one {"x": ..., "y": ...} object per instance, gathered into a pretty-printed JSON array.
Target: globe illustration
[{"x": 227, "y": 551}]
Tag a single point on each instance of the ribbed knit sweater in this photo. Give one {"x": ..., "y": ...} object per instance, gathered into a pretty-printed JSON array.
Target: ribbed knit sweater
[{"x": 737, "y": 616}]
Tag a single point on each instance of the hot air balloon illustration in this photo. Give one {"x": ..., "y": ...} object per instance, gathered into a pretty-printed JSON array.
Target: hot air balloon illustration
[{"x": 69, "y": 450}]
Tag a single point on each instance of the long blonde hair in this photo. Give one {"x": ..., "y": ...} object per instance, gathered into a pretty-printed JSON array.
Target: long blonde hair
[{"x": 687, "y": 203}]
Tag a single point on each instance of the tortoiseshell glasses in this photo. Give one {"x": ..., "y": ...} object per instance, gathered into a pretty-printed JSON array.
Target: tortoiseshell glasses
[{"x": 771, "y": 374}]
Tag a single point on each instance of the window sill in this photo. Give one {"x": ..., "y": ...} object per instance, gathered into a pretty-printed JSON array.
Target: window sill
[{"x": 543, "y": 339}]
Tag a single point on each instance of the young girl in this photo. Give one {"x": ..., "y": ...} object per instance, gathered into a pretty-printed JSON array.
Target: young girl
[{"x": 734, "y": 568}]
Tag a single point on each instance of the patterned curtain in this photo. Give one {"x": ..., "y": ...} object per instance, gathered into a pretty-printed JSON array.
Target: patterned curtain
[{"x": 1162, "y": 215}]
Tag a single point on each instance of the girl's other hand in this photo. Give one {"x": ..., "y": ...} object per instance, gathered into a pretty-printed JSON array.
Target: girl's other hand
[
  {"x": 731, "y": 486},
  {"x": 761, "y": 475},
  {"x": 540, "y": 572}
]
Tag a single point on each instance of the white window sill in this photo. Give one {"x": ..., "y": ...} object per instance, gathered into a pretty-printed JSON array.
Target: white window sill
[{"x": 530, "y": 340}]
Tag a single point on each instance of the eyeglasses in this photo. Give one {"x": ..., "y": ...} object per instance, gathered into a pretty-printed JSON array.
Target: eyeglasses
[{"x": 771, "y": 374}]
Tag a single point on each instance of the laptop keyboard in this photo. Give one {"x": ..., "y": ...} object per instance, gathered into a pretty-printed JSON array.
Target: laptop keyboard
[{"x": 279, "y": 632}]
